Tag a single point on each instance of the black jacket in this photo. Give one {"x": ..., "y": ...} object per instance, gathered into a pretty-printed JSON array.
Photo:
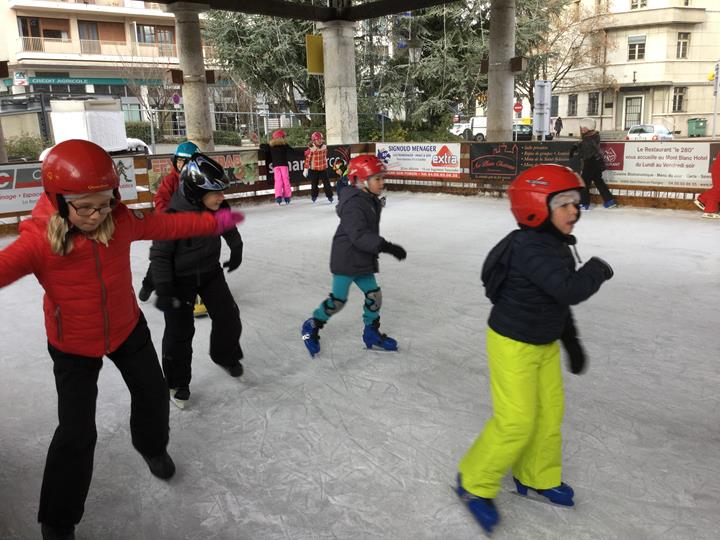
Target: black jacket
[
  {"x": 198, "y": 256},
  {"x": 530, "y": 278},
  {"x": 279, "y": 155},
  {"x": 357, "y": 241}
]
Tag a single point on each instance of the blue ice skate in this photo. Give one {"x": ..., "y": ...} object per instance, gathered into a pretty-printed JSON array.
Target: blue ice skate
[
  {"x": 562, "y": 494},
  {"x": 310, "y": 335},
  {"x": 373, "y": 338},
  {"x": 483, "y": 510},
  {"x": 287, "y": 200},
  {"x": 278, "y": 200}
]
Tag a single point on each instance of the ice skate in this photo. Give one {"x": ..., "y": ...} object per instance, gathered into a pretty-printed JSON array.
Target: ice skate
[
  {"x": 179, "y": 397},
  {"x": 278, "y": 200},
  {"x": 699, "y": 204},
  {"x": 235, "y": 370},
  {"x": 287, "y": 200},
  {"x": 310, "y": 334},
  {"x": 562, "y": 494},
  {"x": 49, "y": 532},
  {"x": 330, "y": 200},
  {"x": 612, "y": 203},
  {"x": 199, "y": 310},
  {"x": 373, "y": 338},
  {"x": 711, "y": 215},
  {"x": 483, "y": 510},
  {"x": 585, "y": 206},
  {"x": 161, "y": 466}
]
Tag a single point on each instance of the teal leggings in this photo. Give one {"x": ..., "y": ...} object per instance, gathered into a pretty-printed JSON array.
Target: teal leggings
[{"x": 341, "y": 287}]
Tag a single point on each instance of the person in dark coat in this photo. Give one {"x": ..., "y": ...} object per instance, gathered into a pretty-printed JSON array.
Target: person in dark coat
[
  {"x": 558, "y": 126},
  {"x": 183, "y": 269},
  {"x": 593, "y": 164},
  {"x": 354, "y": 255},
  {"x": 531, "y": 279}
]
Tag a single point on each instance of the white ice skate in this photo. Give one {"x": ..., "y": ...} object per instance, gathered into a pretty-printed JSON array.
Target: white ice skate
[{"x": 179, "y": 397}]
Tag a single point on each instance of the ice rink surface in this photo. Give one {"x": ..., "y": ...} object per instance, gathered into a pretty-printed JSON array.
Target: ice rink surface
[{"x": 361, "y": 445}]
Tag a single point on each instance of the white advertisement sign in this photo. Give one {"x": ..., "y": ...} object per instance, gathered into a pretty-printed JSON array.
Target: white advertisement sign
[
  {"x": 21, "y": 184},
  {"x": 420, "y": 160},
  {"x": 662, "y": 164}
]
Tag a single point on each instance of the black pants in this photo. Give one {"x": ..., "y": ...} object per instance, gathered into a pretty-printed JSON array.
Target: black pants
[
  {"x": 180, "y": 327},
  {"x": 69, "y": 464},
  {"x": 315, "y": 177},
  {"x": 592, "y": 172}
]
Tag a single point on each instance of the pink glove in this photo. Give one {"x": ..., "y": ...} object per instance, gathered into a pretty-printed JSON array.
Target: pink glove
[{"x": 226, "y": 219}]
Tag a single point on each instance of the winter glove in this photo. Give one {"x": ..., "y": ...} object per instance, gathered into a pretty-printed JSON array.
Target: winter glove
[
  {"x": 571, "y": 343},
  {"x": 226, "y": 219},
  {"x": 393, "y": 249},
  {"x": 305, "y": 173},
  {"x": 166, "y": 298},
  {"x": 573, "y": 150},
  {"x": 235, "y": 259},
  {"x": 601, "y": 265}
]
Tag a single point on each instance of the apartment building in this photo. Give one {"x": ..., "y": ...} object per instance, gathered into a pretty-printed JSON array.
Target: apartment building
[
  {"x": 652, "y": 65},
  {"x": 62, "y": 48}
]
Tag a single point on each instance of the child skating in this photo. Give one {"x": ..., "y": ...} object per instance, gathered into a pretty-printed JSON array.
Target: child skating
[
  {"x": 77, "y": 244},
  {"x": 531, "y": 280},
  {"x": 709, "y": 201},
  {"x": 279, "y": 149},
  {"x": 316, "y": 167},
  {"x": 354, "y": 255},
  {"x": 184, "y": 269}
]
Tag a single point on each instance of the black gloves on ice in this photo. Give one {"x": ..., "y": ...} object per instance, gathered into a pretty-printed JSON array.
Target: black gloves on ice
[
  {"x": 235, "y": 259},
  {"x": 603, "y": 266},
  {"x": 166, "y": 299},
  {"x": 393, "y": 249},
  {"x": 574, "y": 349}
]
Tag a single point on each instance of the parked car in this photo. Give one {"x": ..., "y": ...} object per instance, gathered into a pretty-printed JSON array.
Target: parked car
[
  {"x": 477, "y": 129},
  {"x": 522, "y": 132},
  {"x": 649, "y": 132},
  {"x": 458, "y": 128}
]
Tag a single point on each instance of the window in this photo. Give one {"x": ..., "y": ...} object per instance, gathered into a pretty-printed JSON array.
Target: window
[
  {"x": 554, "y": 105},
  {"x": 679, "y": 98},
  {"x": 683, "y": 43},
  {"x": 636, "y": 47},
  {"x": 145, "y": 33},
  {"x": 131, "y": 112},
  {"x": 593, "y": 103},
  {"x": 635, "y": 4},
  {"x": 572, "y": 105}
]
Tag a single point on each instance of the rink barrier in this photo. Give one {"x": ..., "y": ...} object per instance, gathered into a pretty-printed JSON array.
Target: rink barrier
[{"x": 484, "y": 169}]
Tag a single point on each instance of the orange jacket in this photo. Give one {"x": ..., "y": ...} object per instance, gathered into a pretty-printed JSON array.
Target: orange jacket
[{"x": 90, "y": 307}]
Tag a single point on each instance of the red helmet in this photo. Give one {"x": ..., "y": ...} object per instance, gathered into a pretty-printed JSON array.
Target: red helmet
[
  {"x": 75, "y": 167},
  {"x": 316, "y": 136},
  {"x": 530, "y": 191},
  {"x": 279, "y": 134},
  {"x": 360, "y": 168}
]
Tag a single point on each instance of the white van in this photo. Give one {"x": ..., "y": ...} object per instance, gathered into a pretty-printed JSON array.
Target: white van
[{"x": 477, "y": 130}]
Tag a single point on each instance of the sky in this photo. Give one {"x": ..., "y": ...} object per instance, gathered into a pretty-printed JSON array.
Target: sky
[{"x": 355, "y": 444}]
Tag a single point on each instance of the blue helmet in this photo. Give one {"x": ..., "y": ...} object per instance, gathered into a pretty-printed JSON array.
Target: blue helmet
[
  {"x": 185, "y": 150},
  {"x": 201, "y": 175}
]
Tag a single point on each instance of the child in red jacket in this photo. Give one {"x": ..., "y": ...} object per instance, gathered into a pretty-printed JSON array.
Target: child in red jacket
[
  {"x": 709, "y": 201},
  {"x": 77, "y": 245},
  {"x": 316, "y": 166}
]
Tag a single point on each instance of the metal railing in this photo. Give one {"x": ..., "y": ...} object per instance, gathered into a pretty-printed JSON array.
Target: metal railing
[{"x": 161, "y": 52}]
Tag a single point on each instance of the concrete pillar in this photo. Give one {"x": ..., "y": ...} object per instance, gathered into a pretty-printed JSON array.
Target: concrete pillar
[
  {"x": 501, "y": 82},
  {"x": 194, "y": 90},
  {"x": 341, "y": 119}
]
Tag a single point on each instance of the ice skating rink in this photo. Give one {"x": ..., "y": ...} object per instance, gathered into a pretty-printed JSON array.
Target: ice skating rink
[{"x": 362, "y": 445}]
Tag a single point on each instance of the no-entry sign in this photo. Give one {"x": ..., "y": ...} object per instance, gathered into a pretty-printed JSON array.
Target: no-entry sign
[{"x": 517, "y": 107}]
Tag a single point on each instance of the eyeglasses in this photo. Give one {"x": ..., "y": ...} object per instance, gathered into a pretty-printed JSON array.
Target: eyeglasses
[{"x": 87, "y": 211}]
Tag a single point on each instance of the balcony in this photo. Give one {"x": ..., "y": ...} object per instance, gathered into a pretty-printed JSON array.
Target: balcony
[
  {"x": 114, "y": 7},
  {"x": 653, "y": 17},
  {"x": 133, "y": 52}
]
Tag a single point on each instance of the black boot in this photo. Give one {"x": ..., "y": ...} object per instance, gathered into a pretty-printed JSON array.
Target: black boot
[
  {"x": 161, "y": 466},
  {"x": 50, "y": 532},
  {"x": 236, "y": 370}
]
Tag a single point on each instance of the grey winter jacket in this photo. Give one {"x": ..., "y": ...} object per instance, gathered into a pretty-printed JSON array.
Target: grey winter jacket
[
  {"x": 357, "y": 241},
  {"x": 196, "y": 256},
  {"x": 530, "y": 278}
]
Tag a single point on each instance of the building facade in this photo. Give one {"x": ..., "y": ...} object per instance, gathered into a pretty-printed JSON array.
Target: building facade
[{"x": 652, "y": 65}]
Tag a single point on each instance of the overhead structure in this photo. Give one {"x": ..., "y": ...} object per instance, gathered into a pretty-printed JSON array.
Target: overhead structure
[{"x": 338, "y": 29}]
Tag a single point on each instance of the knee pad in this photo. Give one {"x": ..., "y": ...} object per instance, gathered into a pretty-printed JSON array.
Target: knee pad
[
  {"x": 332, "y": 305},
  {"x": 373, "y": 300}
]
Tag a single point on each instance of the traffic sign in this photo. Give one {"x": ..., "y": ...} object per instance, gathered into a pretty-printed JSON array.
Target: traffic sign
[{"x": 517, "y": 107}]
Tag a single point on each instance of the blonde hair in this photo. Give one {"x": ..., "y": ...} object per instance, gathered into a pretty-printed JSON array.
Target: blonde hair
[
  {"x": 59, "y": 233},
  {"x": 276, "y": 142}
]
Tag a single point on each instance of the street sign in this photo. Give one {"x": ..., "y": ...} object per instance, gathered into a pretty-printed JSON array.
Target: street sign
[{"x": 517, "y": 107}]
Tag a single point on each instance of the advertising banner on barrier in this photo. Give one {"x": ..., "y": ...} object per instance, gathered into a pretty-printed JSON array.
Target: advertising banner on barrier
[
  {"x": 665, "y": 164},
  {"x": 241, "y": 163},
  {"x": 337, "y": 159},
  {"x": 420, "y": 160},
  {"x": 21, "y": 184}
]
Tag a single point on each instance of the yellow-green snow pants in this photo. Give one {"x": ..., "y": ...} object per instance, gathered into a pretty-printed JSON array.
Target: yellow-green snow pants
[{"x": 524, "y": 432}]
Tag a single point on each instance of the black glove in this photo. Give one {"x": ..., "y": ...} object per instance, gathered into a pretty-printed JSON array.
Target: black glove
[
  {"x": 574, "y": 349},
  {"x": 235, "y": 259},
  {"x": 166, "y": 298},
  {"x": 393, "y": 249},
  {"x": 603, "y": 266},
  {"x": 573, "y": 150}
]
